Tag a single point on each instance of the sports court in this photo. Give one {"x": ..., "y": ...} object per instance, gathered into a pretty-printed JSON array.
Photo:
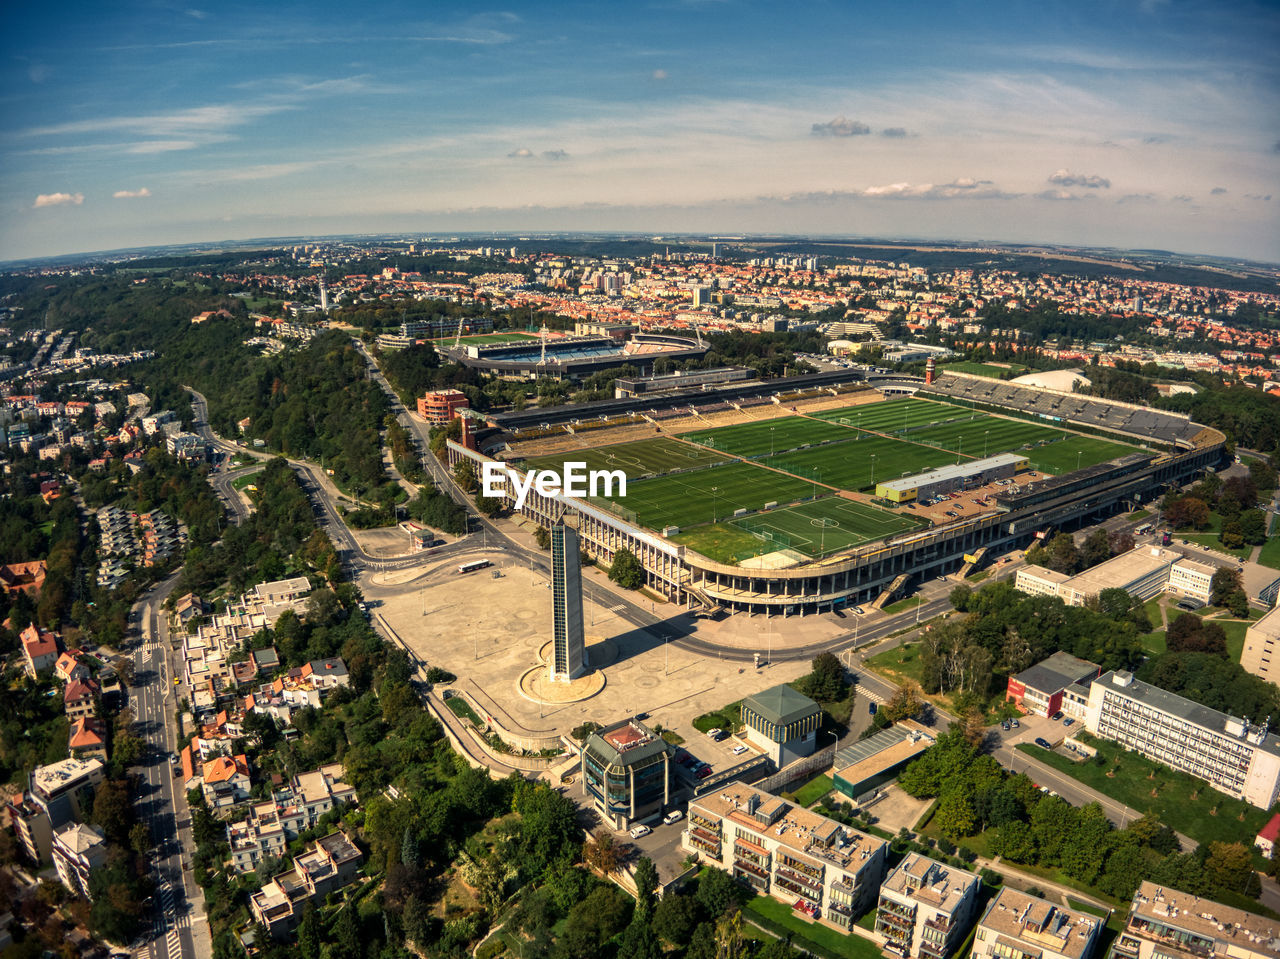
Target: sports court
[
  {"x": 641, "y": 458},
  {"x": 766, "y": 437}
]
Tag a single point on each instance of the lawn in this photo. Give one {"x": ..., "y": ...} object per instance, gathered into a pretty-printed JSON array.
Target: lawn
[
  {"x": 911, "y": 602},
  {"x": 894, "y": 415},
  {"x": 1270, "y": 553},
  {"x": 240, "y": 482},
  {"x": 766, "y": 437},
  {"x": 986, "y": 369},
  {"x": 463, "y": 709},
  {"x": 705, "y": 496},
  {"x": 1062, "y": 455},
  {"x": 1211, "y": 541},
  {"x": 641, "y": 458},
  {"x": 813, "y": 790},
  {"x": 983, "y": 436},
  {"x": 810, "y": 935},
  {"x": 856, "y": 464},
  {"x": 726, "y": 717},
  {"x": 480, "y": 338},
  {"x": 901, "y": 662},
  {"x": 1186, "y": 804}
]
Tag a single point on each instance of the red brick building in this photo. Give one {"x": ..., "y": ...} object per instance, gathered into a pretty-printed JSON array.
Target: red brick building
[{"x": 441, "y": 406}]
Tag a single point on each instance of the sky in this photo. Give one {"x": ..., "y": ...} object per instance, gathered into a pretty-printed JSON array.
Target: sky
[{"x": 1122, "y": 123}]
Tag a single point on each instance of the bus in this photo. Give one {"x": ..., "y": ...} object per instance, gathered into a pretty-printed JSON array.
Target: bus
[
  {"x": 474, "y": 565},
  {"x": 1146, "y": 528}
]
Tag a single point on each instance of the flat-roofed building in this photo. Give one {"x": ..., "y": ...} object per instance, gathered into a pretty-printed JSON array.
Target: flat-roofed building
[
  {"x": 947, "y": 479},
  {"x": 1038, "y": 691},
  {"x": 1261, "y": 646},
  {"x": 1191, "y": 580},
  {"x": 77, "y": 851},
  {"x": 781, "y": 723},
  {"x": 1142, "y": 573},
  {"x": 440, "y": 406},
  {"x": 626, "y": 770},
  {"x": 870, "y": 763},
  {"x": 1164, "y": 923},
  {"x": 64, "y": 788},
  {"x": 828, "y": 871},
  {"x": 1039, "y": 581},
  {"x": 1018, "y": 925},
  {"x": 31, "y": 826},
  {"x": 331, "y": 864},
  {"x": 926, "y": 907},
  {"x": 1234, "y": 756}
]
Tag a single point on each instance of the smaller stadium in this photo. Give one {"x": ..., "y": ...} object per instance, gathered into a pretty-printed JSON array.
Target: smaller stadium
[{"x": 572, "y": 357}]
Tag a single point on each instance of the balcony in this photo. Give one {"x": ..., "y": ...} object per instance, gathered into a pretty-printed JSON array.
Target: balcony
[
  {"x": 807, "y": 881},
  {"x": 756, "y": 882},
  {"x": 928, "y": 947},
  {"x": 941, "y": 923},
  {"x": 791, "y": 885},
  {"x": 750, "y": 867},
  {"x": 889, "y": 907},
  {"x": 801, "y": 867}
]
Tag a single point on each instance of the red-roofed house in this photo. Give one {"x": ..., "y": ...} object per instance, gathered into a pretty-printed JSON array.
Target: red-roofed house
[
  {"x": 40, "y": 649},
  {"x": 226, "y": 781},
  {"x": 77, "y": 700},
  {"x": 26, "y": 576},
  {"x": 69, "y": 667},
  {"x": 1266, "y": 840},
  {"x": 88, "y": 739}
]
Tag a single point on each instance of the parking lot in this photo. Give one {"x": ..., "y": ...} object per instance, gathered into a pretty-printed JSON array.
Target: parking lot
[{"x": 1031, "y": 728}]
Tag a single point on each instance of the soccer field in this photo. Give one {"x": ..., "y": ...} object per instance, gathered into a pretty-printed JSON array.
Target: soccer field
[
  {"x": 1075, "y": 452},
  {"x": 857, "y": 463},
  {"x": 984, "y": 436},
  {"x": 705, "y": 496},
  {"x": 893, "y": 415},
  {"x": 641, "y": 458},
  {"x": 765, "y": 437},
  {"x": 481, "y": 338}
]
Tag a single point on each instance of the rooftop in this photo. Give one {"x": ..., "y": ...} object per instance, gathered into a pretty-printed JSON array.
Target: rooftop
[
  {"x": 1124, "y": 569},
  {"x": 1202, "y": 917},
  {"x": 49, "y": 780},
  {"x": 958, "y": 472},
  {"x": 879, "y": 752},
  {"x": 1057, "y": 672},
  {"x": 781, "y": 705},
  {"x": 930, "y": 882},
  {"x": 627, "y": 742},
  {"x": 1268, "y": 627},
  {"x": 1034, "y": 922}
]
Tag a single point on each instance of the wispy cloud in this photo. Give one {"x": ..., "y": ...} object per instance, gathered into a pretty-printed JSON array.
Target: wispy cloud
[
  {"x": 1218, "y": 191},
  {"x": 554, "y": 155},
  {"x": 1065, "y": 196},
  {"x": 58, "y": 199},
  {"x": 131, "y": 194},
  {"x": 964, "y": 188},
  {"x": 522, "y": 153},
  {"x": 659, "y": 74},
  {"x": 894, "y": 132},
  {"x": 1089, "y": 181},
  {"x": 840, "y": 127}
]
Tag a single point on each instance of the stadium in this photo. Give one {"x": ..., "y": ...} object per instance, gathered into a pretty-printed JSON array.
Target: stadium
[
  {"x": 840, "y": 492},
  {"x": 573, "y": 357}
]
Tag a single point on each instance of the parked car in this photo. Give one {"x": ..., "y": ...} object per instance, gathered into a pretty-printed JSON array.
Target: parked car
[
  {"x": 739, "y": 749},
  {"x": 1068, "y": 721},
  {"x": 674, "y": 816},
  {"x": 1043, "y": 743},
  {"x": 1056, "y": 716},
  {"x": 703, "y": 773},
  {"x": 641, "y": 830},
  {"x": 714, "y": 734},
  {"x": 1016, "y": 724}
]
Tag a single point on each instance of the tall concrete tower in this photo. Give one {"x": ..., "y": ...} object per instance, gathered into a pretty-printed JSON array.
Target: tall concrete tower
[
  {"x": 324, "y": 295},
  {"x": 568, "y": 649}
]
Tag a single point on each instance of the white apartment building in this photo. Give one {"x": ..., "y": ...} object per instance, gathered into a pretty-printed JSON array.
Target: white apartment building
[
  {"x": 1261, "y": 641},
  {"x": 926, "y": 908},
  {"x": 1017, "y": 925},
  {"x": 1143, "y": 572},
  {"x": 291, "y": 810},
  {"x": 1232, "y": 755},
  {"x": 1164, "y": 923},
  {"x": 819, "y": 867},
  {"x": 77, "y": 851}
]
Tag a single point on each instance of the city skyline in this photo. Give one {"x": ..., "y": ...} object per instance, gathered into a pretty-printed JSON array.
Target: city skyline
[{"x": 1144, "y": 124}]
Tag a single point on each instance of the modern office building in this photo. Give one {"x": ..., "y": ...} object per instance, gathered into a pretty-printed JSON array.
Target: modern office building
[
  {"x": 825, "y": 870},
  {"x": 1164, "y": 923},
  {"x": 1191, "y": 580},
  {"x": 441, "y": 406},
  {"x": 1038, "y": 691},
  {"x": 1233, "y": 755},
  {"x": 1261, "y": 643},
  {"x": 782, "y": 723},
  {"x": 626, "y": 769},
  {"x": 1143, "y": 572},
  {"x": 926, "y": 908},
  {"x": 1018, "y": 925},
  {"x": 569, "y": 646}
]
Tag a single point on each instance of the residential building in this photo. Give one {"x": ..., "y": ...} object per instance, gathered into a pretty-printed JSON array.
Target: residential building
[
  {"x": 68, "y": 667},
  {"x": 87, "y": 739},
  {"x": 28, "y": 577},
  {"x": 926, "y": 907},
  {"x": 626, "y": 769},
  {"x": 569, "y": 645},
  {"x": 1164, "y": 923},
  {"x": 78, "y": 698},
  {"x": 332, "y": 863},
  {"x": 59, "y": 793},
  {"x": 225, "y": 781},
  {"x": 781, "y": 723},
  {"x": 826, "y": 871},
  {"x": 77, "y": 851},
  {"x": 32, "y": 828},
  {"x": 1018, "y": 925},
  {"x": 872, "y": 762},
  {"x": 326, "y": 674},
  {"x": 39, "y": 650},
  {"x": 1261, "y": 643},
  {"x": 1038, "y": 691},
  {"x": 1266, "y": 838},
  {"x": 292, "y": 809},
  {"x": 440, "y": 406},
  {"x": 1234, "y": 756}
]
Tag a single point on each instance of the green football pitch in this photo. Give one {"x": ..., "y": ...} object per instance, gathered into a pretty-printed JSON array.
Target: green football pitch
[
  {"x": 765, "y": 437},
  {"x": 641, "y": 458},
  {"x": 705, "y": 496}
]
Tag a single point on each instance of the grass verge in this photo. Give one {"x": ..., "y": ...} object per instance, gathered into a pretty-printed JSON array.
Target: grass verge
[{"x": 779, "y": 918}]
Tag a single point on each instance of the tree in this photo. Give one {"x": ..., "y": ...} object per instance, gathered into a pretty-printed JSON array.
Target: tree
[
  {"x": 646, "y": 880},
  {"x": 1227, "y": 589},
  {"x": 675, "y": 917},
  {"x": 1230, "y": 865},
  {"x": 639, "y": 940},
  {"x": 542, "y": 538},
  {"x": 490, "y": 505},
  {"x": 1062, "y": 555},
  {"x": 1095, "y": 549},
  {"x": 602, "y": 852},
  {"x": 959, "y": 597},
  {"x": 1190, "y": 633},
  {"x": 717, "y": 892},
  {"x": 907, "y": 702},
  {"x": 310, "y": 932},
  {"x": 825, "y": 682},
  {"x": 626, "y": 570},
  {"x": 465, "y": 475},
  {"x": 954, "y": 817}
]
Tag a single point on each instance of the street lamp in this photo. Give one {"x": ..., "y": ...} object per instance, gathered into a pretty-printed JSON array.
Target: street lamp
[
  {"x": 770, "y": 440},
  {"x": 714, "y": 491},
  {"x": 816, "y": 474},
  {"x": 985, "y": 435},
  {"x": 1079, "y": 453},
  {"x": 873, "y": 472}
]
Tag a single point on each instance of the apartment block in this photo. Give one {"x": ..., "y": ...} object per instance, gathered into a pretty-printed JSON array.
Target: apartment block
[
  {"x": 926, "y": 908},
  {"x": 31, "y": 827},
  {"x": 39, "y": 650},
  {"x": 1233, "y": 755},
  {"x": 332, "y": 863},
  {"x": 441, "y": 406},
  {"x": 1017, "y": 925},
  {"x": 1261, "y": 644},
  {"x": 825, "y": 871},
  {"x": 77, "y": 851},
  {"x": 1167, "y": 924},
  {"x": 292, "y": 809}
]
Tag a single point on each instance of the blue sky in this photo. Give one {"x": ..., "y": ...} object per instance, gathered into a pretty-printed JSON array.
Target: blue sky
[{"x": 1132, "y": 123}]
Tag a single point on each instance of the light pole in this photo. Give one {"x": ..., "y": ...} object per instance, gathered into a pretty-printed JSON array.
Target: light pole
[
  {"x": 714, "y": 491},
  {"x": 816, "y": 474},
  {"x": 770, "y": 440},
  {"x": 873, "y": 473},
  {"x": 1079, "y": 453},
  {"x": 985, "y": 435}
]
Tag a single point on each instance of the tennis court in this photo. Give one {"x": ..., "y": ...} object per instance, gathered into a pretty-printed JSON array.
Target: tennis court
[
  {"x": 766, "y": 437},
  {"x": 641, "y": 458}
]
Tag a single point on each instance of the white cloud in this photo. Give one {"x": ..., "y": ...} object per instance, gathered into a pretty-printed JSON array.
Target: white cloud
[
  {"x": 131, "y": 194},
  {"x": 524, "y": 153},
  {"x": 659, "y": 74},
  {"x": 554, "y": 155},
  {"x": 58, "y": 199},
  {"x": 1090, "y": 181}
]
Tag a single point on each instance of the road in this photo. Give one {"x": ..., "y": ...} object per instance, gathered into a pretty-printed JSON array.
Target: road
[{"x": 179, "y": 929}]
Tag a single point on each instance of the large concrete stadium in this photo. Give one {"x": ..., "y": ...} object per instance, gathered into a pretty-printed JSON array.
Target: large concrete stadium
[
  {"x": 573, "y": 357},
  {"x": 756, "y": 443}
]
